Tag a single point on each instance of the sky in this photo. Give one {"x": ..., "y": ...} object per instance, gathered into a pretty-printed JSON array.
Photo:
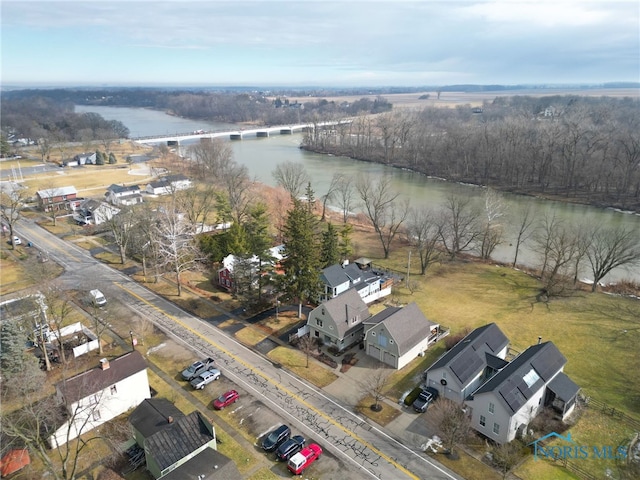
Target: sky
[{"x": 346, "y": 43}]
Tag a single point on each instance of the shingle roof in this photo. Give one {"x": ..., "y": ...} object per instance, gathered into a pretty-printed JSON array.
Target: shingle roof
[
  {"x": 122, "y": 188},
  {"x": 97, "y": 379},
  {"x": 179, "y": 439},
  {"x": 466, "y": 359},
  {"x": 345, "y": 307},
  {"x": 57, "y": 192},
  {"x": 209, "y": 464},
  {"x": 335, "y": 275},
  {"x": 408, "y": 326},
  {"x": 514, "y": 384},
  {"x": 564, "y": 388},
  {"x": 153, "y": 415}
]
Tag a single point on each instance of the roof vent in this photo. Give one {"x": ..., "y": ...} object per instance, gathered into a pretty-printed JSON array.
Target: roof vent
[{"x": 104, "y": 363}]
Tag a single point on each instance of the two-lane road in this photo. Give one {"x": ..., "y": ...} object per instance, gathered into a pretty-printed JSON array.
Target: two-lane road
[{"x": 349, "y": 437}]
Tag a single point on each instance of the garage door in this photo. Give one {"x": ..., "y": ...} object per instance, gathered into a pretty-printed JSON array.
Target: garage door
[
  {"x": 374, "y": 352},
  {"x": 389, "y": 359}
]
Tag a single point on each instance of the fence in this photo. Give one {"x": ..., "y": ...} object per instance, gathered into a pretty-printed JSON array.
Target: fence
[{"x": 612, "y": 412}]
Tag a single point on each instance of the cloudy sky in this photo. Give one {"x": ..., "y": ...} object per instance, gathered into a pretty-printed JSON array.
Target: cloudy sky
[{"x": 319, "y": 42}]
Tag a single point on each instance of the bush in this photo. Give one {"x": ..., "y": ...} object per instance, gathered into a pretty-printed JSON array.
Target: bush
[
  {"x": 413, "y": 394},
  {"x": 452, "y": 340}
]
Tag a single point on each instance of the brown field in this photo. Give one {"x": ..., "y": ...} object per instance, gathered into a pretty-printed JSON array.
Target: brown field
[{"x": 451, "y": 99}]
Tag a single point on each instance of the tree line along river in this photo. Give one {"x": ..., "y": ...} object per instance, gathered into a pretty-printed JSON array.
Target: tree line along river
[{"x": 262, "y": 155}]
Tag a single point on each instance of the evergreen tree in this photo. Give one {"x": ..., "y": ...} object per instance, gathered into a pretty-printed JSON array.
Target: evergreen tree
[
  {"x": 99, "y": 158},
  {"x": 301, "y": 262},
  {"x": 344, "y": 248},
  {"x": 260, "y": 243},
  {"x": 329, "y": 253},
  {"x": 236, "y": 241},
  {"x": 112, "y": 159},
  {"x": 310, "y": 198}
]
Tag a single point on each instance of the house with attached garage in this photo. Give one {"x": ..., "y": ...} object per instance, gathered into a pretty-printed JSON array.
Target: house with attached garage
[
  {"x": 339, "y": 278},
  {"x": 339, "y": 322},
  {"x": 96, "y": 396},
  {"x": 94, "y": 212},
  {"x": 462, "y": 369},
  {"x": 502, "y": 407},
  {"x": 397, "y": 335},
  {"x": 178, "y": 446},
  {"x": 123, "y": 195}
]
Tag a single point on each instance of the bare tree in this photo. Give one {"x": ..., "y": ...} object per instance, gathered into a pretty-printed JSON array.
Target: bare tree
[
  {"x": 210, "y": 157},
  {"x": 526, "y": 228},
  {"x": 422, "y": 234},
  {"x": 197, "y": 204},
  {"x": 375, "y": 384},
  {"x": 292, "y": 177},
  {"x": 506, "y": 456},
  {"x": 492, "y": 231},
  {"x": 556, "y": 244},
  {"x": 457, "y": 225},
  {"x": 59, "y": 309},
  {"x": 334, "y": 185},
  {"x": 611, "y": 249},
  {"x": 175, "y": 244},
  {"x": 238, "y": 187},
  {"x": 453, "y": 422},
  {"x": 344, "y": 193},
  {"x": 307, "y": 345},
  {"x": 122, "y": 227},
  {"x": 381, "y": 208},
  {"x": 12, "y": 201}
]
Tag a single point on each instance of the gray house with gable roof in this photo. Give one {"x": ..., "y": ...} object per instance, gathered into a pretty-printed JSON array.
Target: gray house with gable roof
[
  {"x": 339, "y": 321},
  {"x": 503, "y": 406},
  {"x": 397, "y": 335},
  {"x": 475, "y": 358},
  {"x": 339, "y": 278}
]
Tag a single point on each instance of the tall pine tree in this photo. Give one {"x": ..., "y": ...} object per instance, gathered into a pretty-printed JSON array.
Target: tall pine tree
[
  {"x": 301, "y": 263},
  {"x": 330, "y": 252}
]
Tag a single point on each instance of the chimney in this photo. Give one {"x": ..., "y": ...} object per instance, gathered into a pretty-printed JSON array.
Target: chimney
[
  {"x": 170, "y": 419},
  {"x": 104, "y": 363},
  {"x": 539, "y": 340}
]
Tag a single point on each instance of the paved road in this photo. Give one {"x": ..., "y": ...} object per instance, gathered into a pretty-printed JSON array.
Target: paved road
[{"x": 349, "y": 437}]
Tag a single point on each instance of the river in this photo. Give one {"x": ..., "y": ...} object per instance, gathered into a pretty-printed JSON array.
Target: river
[{"x": 261, "y": 155}]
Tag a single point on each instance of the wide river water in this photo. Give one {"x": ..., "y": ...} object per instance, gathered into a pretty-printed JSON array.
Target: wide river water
[{"x": 262, "y": 155}]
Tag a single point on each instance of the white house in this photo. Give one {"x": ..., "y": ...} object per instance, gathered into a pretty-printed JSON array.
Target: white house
[
  {"x": 459, "y": 371},
  {"x": 225, "y": 273},
  {"x": 123, "y": 195},
  {"x": 506, "y": 403},
  {"x": 397, "y": 335},
  {"x": 168, "y": 184},
  {"x": 96, "y": 396},
  {"x": 95, "y": 212},
  {"x": 339, "y": 278},
  {"x": 339, "y": 321}
]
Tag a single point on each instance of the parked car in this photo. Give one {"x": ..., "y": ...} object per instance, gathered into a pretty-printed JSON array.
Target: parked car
[
  {"x": 304, "y": 458},
  {"x": 426, "y": 396},
  {"x": 275, "y": 438},
  {"x": 15, "y": 241},
  {"x": 290, "y": 447},
  {"x": 196, "y": 368},
  {"x": 205, "y": 378},
  {"x": 225, "y": 399},
  {"x": 97, "y": 298}
]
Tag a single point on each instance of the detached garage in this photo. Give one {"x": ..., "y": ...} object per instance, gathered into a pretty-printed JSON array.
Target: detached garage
[{"x": 397, "y": 335}]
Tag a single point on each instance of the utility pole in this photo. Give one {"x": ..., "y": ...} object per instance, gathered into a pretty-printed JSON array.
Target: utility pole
[{"x": 408, "y": 268}]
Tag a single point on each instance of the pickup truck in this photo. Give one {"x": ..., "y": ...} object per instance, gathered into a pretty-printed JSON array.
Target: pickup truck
[
  {"x": 196, "y": 368},
  {"x": 427, "y": 396},
  {"x": 304, "y": 458}
]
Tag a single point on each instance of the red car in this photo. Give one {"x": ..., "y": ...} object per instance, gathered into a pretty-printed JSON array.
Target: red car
[
  {"x": 225, "y": 399},
  {"x": 304, "y": 458}
]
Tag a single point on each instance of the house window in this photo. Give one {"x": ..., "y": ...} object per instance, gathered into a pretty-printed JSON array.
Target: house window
[
  {"x": 322, "y": 311},
  {"x": 114, "y": 390},
  {"x": 483, "y": 421},
  {"x": 492, "y": 408},
  {"x": 96, "y": 414},
  {"x": 93, "y": 400},
  {"x": 318, "y": 322},
  {"x": 496, "y": 429}
]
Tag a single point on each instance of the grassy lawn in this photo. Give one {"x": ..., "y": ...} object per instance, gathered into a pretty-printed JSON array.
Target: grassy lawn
[
  {"x": 276, "y": 326},
  {"x": 467, "y": 466},
  {"x": 264, "y": 473},
  {"x": 295, "y": 361},
  {"x": 382, "y": 417},
  {"x": 250, "y": 336}
]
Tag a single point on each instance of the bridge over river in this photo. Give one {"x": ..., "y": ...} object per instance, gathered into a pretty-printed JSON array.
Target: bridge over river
[{"x": 258, "y": 132}]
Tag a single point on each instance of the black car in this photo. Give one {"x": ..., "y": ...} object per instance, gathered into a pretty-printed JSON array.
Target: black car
[
  {"x": 289, "y": 448},
  {"x": 276, "y": 438},
  {"x": 426, "y": 396}
]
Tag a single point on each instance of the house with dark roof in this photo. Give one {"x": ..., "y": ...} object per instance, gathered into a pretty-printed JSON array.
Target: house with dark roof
[
  {"x": 474, "y": 359},
  {"x": 178, "y": 446},
  {"x": 91, "y": 211},
  {"x": 168, "y": 184},
  {"x": 338, "y": 322},
  {"x": 397, "y": 335},
  {"x": 504, "y": 405},
  {"x": 339, "y": 278},
  {"x": 123, "y": 194},
  {"x": 95, "y": 396}
]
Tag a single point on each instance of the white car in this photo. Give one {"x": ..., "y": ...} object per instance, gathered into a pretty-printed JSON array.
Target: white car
[
  {"x": 16, "y": 241},
  {"x": 205, "y": 378},
  {"x": 98, "y": 298}
]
